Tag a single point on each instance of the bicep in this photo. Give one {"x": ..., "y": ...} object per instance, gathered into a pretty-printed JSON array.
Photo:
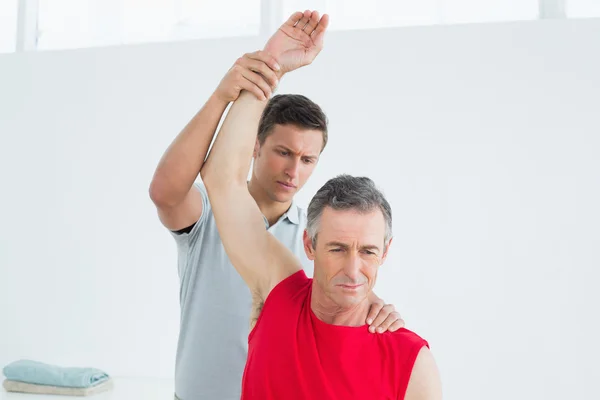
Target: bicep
[
  {"x": 260, "y": 259},
  {"x": 425, "y": 382}
]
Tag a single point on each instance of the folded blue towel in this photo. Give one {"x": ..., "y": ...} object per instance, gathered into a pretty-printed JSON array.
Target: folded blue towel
[{"x": 45, "y": 374}]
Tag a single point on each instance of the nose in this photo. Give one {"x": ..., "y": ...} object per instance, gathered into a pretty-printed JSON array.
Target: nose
[
  {"x": 292, "y": 169},
  {"x": 353, "y": 266}
]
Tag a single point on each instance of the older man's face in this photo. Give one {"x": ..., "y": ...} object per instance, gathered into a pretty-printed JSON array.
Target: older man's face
[{"x": 349, "y": 250}]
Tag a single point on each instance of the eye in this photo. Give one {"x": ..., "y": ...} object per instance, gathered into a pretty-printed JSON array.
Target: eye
[
  {"x": 284, "y": 153},
  {"x": 335, "y": 250},
  {"x": 308, "y": 161},
  {"x": 369, "y": 252}
]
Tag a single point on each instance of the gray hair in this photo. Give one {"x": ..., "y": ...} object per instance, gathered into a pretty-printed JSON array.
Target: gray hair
[{"x": 346, "y": 192}]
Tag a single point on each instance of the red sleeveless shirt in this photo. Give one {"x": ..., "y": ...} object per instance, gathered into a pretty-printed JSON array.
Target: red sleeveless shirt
[{"x": 294, "y": 355}]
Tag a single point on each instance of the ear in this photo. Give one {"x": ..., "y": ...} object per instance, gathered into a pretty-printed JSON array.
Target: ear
[
  {"x": 386, "y": 251},
  {"x": 308, "y": 247},
  {"x": 256, "y": 149}
]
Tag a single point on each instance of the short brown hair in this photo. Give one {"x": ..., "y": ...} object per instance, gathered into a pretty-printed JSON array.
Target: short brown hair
[{"x": 292, "y": 109}]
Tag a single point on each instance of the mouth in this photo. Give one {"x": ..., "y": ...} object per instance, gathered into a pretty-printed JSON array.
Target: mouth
[
  {"x": 350, "y": 287},
  {"x": 288, "y": 186}
]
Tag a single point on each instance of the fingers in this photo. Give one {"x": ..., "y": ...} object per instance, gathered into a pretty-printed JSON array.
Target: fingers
[
  {"x": 392, "y": 323},
  {"x": 381, "y": 322},
  {"x": 265, "y": 58},
  {"x": 263, "y": 64},
  {"x": 258, "y": 83},
  {"x": 294, "y": 18},
  {"x": 398, "y": 324},
  {"x": 242, "y": 83},
  {"x": 374, "y": 311},
  {"x": 312, "y": 23},
  {"x": 319, "y": 31},
  {"x": 255, "y": 73},
  {"x": 304, "y": 20}
]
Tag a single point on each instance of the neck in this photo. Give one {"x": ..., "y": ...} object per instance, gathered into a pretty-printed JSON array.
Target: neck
[
  {"x": 272, "y": 210},
  {"x": 331, "y": 313}
]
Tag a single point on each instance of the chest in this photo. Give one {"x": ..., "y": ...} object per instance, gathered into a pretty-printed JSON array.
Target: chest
[{"x": 311, "y": 362}]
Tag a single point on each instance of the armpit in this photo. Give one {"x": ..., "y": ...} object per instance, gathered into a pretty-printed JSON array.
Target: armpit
[{"x": 255, "y": 313}]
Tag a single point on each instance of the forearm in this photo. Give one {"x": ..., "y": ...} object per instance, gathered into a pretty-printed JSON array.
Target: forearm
[
  {"x": 231, "y": 155},
  {"x": 183, "y": 160}
]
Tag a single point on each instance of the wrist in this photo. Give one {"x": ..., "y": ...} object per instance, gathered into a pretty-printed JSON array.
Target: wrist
[{"x": 217, "y": 100}]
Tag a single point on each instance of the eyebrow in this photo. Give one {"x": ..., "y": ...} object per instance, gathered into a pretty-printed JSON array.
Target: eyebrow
[
  {"x": 279, "y": 146},
  {"x": 345, "y": 246}
]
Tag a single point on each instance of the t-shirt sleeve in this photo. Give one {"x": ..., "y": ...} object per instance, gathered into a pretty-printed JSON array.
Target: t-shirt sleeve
[{"x": 184, "y": 236}]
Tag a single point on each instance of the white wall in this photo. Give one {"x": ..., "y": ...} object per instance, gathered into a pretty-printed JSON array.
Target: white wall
[{"x": 484, "y": 137}]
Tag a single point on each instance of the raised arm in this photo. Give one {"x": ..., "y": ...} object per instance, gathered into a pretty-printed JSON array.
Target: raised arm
[
  {"x": 178, "y": 202},
  {"x": 261, "y": 260}
]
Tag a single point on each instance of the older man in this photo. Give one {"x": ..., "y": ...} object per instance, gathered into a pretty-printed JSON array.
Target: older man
[{"x": 308, "y": 338}]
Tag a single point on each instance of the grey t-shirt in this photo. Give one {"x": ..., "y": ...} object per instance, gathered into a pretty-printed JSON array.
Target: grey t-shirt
[{"x": 215, "y": 306}]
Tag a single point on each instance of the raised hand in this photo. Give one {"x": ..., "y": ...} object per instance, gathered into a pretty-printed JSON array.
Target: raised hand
[
  {"x": 255, "y": 72},
  {"x": 298, "y": 41}
]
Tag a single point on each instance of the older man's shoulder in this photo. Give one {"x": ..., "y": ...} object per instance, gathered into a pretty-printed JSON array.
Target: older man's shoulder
[{"x": 405, "y": 340}]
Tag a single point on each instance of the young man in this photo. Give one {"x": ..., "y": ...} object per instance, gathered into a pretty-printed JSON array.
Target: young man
[
  {"x": 309, "y": 339},
  {"x": 215, "y": 302}
]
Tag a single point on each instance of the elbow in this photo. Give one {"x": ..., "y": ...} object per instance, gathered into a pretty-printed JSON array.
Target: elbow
[
  {"x": 159, "y": 194},
  {"x": 155, "y": 194}
]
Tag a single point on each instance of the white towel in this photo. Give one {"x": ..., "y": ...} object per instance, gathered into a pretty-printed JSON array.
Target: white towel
[{"x": 23, "y": 387}]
